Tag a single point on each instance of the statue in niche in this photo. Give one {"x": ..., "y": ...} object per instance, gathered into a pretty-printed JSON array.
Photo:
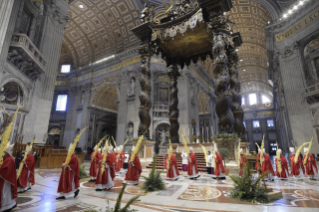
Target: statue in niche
[
  {"x": 163, "y": 136},
  {"x": 130, "y": 131},
  {"x": 131, "y": 88},
  {"x": 3, "y": 118}
]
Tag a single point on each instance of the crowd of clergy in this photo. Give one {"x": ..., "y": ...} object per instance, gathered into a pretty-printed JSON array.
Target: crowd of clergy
[{"x": 105, "y": 166}]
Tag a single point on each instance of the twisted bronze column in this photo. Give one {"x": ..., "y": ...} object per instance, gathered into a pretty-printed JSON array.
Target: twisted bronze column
[
  {"x": 173, "y": 107},
  {"x": 224, "y": 96},
  {"x": 235, "y": 89},
  {"x": 145, "y": 119}
]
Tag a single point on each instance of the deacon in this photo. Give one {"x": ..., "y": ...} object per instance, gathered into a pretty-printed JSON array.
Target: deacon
[
  {"x": 297, "y": 168},
  {"x": 134, "y": 170},
  {"x": 105, "y": 180},
  {"x": 172, "y": 172},
  {"x": 26, "y": 178},
  {"x": 219, "y": 166},
  {"x": 192, "y": 169},
  {"x": 243, "y": 160},
  {"x": 8, "y": 181},
  {"x": 94, "y": 169},
  {"x": 281, "y": 166},
  {"x": 70, "y": 177},
  {"x": 310, "y": 164}
]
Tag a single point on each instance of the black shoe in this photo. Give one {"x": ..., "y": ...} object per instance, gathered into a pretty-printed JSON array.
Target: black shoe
[
  {"x": 176, "y": 179},
  {"x": 11, "y": 208},
  {"x": 60, "y": 198},
  {"x": 214, "y": 178},
  {"x": 136, "y": 184},
  {"x": 197, "y": 176},
  {"x": 191, "y": 178},
  {"x": 312, "y": 179},
  {"x": 98, "y": 189},
  {"x": 29, "y": 189},
  {"x": 76, "y": 193}
]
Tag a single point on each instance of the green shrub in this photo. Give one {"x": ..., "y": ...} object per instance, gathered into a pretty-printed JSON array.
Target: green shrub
[
  {"x": 154, "y": 181},
  {"x": 224, "y": 152},
  {"x": 247, "y": 188}
]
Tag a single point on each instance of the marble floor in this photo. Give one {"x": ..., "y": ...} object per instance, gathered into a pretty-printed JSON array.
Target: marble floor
[{"x": 204, "y": 194}]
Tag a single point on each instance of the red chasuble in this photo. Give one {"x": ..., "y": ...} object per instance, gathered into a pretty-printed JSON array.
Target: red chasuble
[
  {"x": 284, "y": 168},
  {"x": 67, "y": 175},
  {"x": 311, "y": 166},
  {"x": 113, "y": 159},
  {"x": 243, "y": 160},
  {"x": 95, "y": 164},
  {"x": 266, "y": 166},
  {"x": 23, "y": 179},
  {"x": 295, "y": 167},
  {"x": 219, "y": 165},
  {"x": 165, "y": 166},
  {"x": 192, "y": 161},
  {"x": 105, "y": 177},
  {"x": 8, "y": 174},
  {"x": 173, "y": 163},
  {"x": 133, "y": 172}
]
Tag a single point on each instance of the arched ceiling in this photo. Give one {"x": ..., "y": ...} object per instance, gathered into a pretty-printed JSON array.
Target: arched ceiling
[{"x": 97, "y": 29}]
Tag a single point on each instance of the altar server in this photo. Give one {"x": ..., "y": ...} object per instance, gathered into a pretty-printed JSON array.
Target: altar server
[
  {"x": 184, "y": 161},
  {"x": 192, "y": 169},
  {"x": 26, "y": 178},
  {"x": 8, "y": 181}
]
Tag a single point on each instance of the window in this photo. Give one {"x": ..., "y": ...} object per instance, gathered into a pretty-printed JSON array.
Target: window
[
  {"x": 252, "y": 99},
  {"x": 244, "y": 124},
  {"x": 61, "y": 102},
  {"x": 243, "y": 101},
  {"x": 65, "y": 69},
  {"x": 256, "y": 124},
  {"x": 265, "y": 99},
  {"x": 270, "y": 123}
]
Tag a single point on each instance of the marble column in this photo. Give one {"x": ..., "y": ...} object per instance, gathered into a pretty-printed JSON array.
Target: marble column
[{"x": 173, "y": 74}]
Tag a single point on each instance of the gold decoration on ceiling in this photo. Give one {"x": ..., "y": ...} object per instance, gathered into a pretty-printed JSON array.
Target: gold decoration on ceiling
[
  {"x": 106, "y": 97},
  {"x": 100, "y": 28}
]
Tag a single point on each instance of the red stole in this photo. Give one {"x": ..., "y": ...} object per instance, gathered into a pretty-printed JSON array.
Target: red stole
[
  {"x": 284, "y": 167},
  {"x": 8, "y": 174},
  {"x": 133, "y": 172},
  {"x": 295, "y": 167},
  {"x": 95, "y": 163},
  {"x": 67, "y": 175},
  {"x": 192, "y": 162},
  {"x": 173, "y": 163},
  {"x": 219, "y": 165},
  {"x": 105, "y": 176},
  {"x": 23, "y": 179},
  {"x": 243, "y": 160},
  {"x": 311, "y": 166}
]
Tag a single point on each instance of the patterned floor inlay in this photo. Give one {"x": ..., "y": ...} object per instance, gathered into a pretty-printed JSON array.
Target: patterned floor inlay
[
  {"x": 291, "y": 197},
  {"x": 76, "y": 207},
  {"x": 50, "y": 172},
  {"x": 170, "y": 190},
  {"x": 22, "y": 200}
]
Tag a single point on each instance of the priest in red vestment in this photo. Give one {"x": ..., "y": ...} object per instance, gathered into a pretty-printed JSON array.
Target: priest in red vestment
[
  {"x": 134, "y": 171},
  {"x": 310, "y": 165},
  {"x": 192, "y": 169},
  {"x": 117, "y": 165},
  {"x": 106, "y": 180},
  {"x": 94, "y": 169},
  {"x": 283, "y": 175},
  {"x": 8, "y": 181},
  {"x": 70, "y": 178},
  {"x": 219, "y": 167},
  {"x": 242, "y": 162},
  {"x": 113, "y": 158},
  {"x": 266, "y": 165},
  {"x": 172, "y": 172},
  {"x": 297, "y": 168},
  {"x": 26, "y": 179}
]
